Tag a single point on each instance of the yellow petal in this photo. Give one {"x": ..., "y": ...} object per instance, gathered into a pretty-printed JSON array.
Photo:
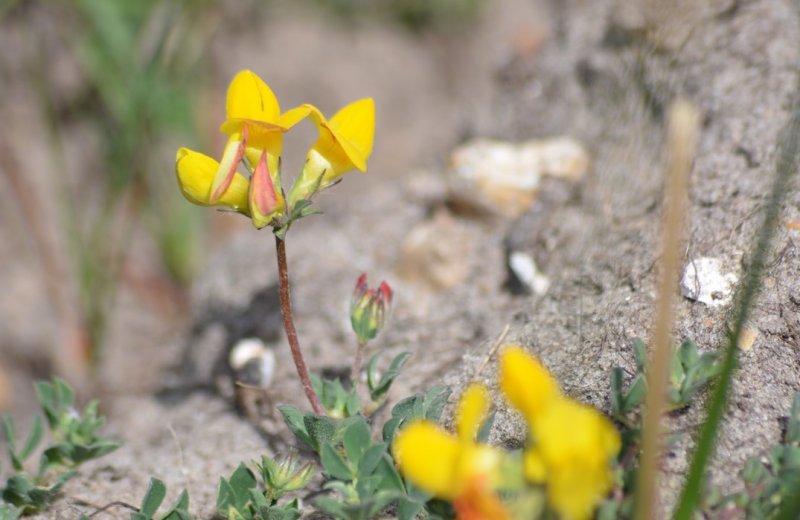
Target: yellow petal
[
  {"x": 472, "y": 410},
  {"x": 570, "y": 433},
  {"x": 527, "y": 384},
  {"x": 428, "y": 456},
  {"x": 291, "y": 117},
  {"x": 575, "y": 492},
  {"x": 577, "y": 445},
  {"x": 272, "y": 143},
  {"x": 354, "y": 128},
  {"x": 250, "y": 98},
  {"x": 195, "y": 172},
  {"x": 534, "y": 467}
]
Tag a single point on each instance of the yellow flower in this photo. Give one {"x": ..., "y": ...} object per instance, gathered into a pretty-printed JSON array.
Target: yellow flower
[
  {"x": 573, "y": 444},
  {"x": 454, "y": 467},
  {"x": 344, "y": 144},
  {"x": 255, "y": 128}
]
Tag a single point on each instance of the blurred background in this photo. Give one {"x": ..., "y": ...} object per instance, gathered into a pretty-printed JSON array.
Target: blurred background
[{"x": 99, "y": 249}]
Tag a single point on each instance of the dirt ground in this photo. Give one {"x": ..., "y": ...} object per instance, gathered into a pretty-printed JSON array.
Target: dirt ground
[{"x": 602, "y": 72}]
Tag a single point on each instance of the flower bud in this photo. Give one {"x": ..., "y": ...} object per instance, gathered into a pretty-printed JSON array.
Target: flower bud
[
  {"x": 266, "y": 201},
  {"x": 369, "y": 308},
  {"x": 284, "y": 476}
]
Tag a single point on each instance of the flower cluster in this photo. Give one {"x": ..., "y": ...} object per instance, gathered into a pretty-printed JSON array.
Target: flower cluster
[
  {"x": 569, "y": 455},
  {"x": 255, "y": 126}
]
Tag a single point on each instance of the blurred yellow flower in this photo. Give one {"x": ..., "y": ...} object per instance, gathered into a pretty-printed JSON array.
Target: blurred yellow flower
[
  {"x": 455, "y": 467},
  {"x": 573, "y": 445},
  {"x": 344, "y": 144}
]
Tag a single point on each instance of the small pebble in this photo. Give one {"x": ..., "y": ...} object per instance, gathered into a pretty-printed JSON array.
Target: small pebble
[
  {"x": 747, "y": 338},
  {"x": 253, "y": 362},
  {"x": 523, "y": 269}
]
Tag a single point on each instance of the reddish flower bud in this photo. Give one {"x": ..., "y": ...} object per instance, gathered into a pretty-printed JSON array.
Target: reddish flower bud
[{"x": 369, "y": 308}]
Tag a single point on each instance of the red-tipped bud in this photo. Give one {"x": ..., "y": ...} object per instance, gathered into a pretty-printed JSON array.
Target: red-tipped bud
[
  {"x": 369, "y": 308},
  {"x": 265, "y": 201}
]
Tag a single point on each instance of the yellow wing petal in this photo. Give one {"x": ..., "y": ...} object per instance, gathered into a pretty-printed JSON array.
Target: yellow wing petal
[
  {"x": 250, "y": 98},
  {"x": 354, "y": 128},
  {"x": 471, "y": 412},
  {"x": 527, "y": 384},
  {"x": 196, "y": 171},
  {"x": 293, "y": 116},
  {"x": 429, "y": 457}
]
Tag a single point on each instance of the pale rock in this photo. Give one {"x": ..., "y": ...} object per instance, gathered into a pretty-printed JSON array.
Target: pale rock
[
  {"x": 435, "y": 253},
  {"x": 253, "y": 362},
  {"x": 502, "y": 178},
  {"x": 705, "y": 281}
]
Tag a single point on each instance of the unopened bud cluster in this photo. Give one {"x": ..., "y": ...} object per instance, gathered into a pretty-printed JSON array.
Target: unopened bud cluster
[{"x": 369, "y": 308}]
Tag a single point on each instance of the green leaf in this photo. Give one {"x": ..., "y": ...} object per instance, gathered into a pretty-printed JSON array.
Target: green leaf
[
  {"x": 381, "y": 501},
  {"x": 408, "y": 509},
  {"x": 320, "y": 430},
  {"x": 677, "y": 372},
  {"x": 242, "y": 481},
  {"x": 156, "y": 491},
  {"x": 391, "y": 478},
  {"x": 356, "y": 440},
  {"x": 353, "y": 405},
  {"x": 640, "y": 355},
  {"x": 9, "y": 512},
  {"x": 371, "y": 458},
  {"x": 435, "y": 401},
  {"x": 225, "y": 497},
  {"x": 793, "y": 427},
  {"x": 180, "y": 509},
  {"x": 331, "y": 506},
  {"x": 9, "y": 431},
  {"x": 282, "y": 513},
  {"x": 486, "y": 428},
  {"x": 616, "y": 392},
  {"x": 753, "y": 472},
  {"x": 294, "y": 421},
  {"x": 33, "y": 440},
  {"x": 688, "y": 353},
  {"x": 334, "y": 464},
  {"x": 382, "y": 387},
  {"x": 635, "y": 395}
]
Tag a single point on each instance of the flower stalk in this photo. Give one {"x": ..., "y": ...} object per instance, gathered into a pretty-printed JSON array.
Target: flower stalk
[{"x": 291, "y": 332}]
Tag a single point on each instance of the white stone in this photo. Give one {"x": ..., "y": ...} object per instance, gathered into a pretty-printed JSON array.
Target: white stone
[
  {"x": 705, "y": 281},
  {"x": 524, "y": 268},
  {"x": 249, "y": 350}
]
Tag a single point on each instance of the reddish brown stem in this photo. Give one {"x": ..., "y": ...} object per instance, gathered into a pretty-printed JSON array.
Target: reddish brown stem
[{"x": 288, "y": 324}]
